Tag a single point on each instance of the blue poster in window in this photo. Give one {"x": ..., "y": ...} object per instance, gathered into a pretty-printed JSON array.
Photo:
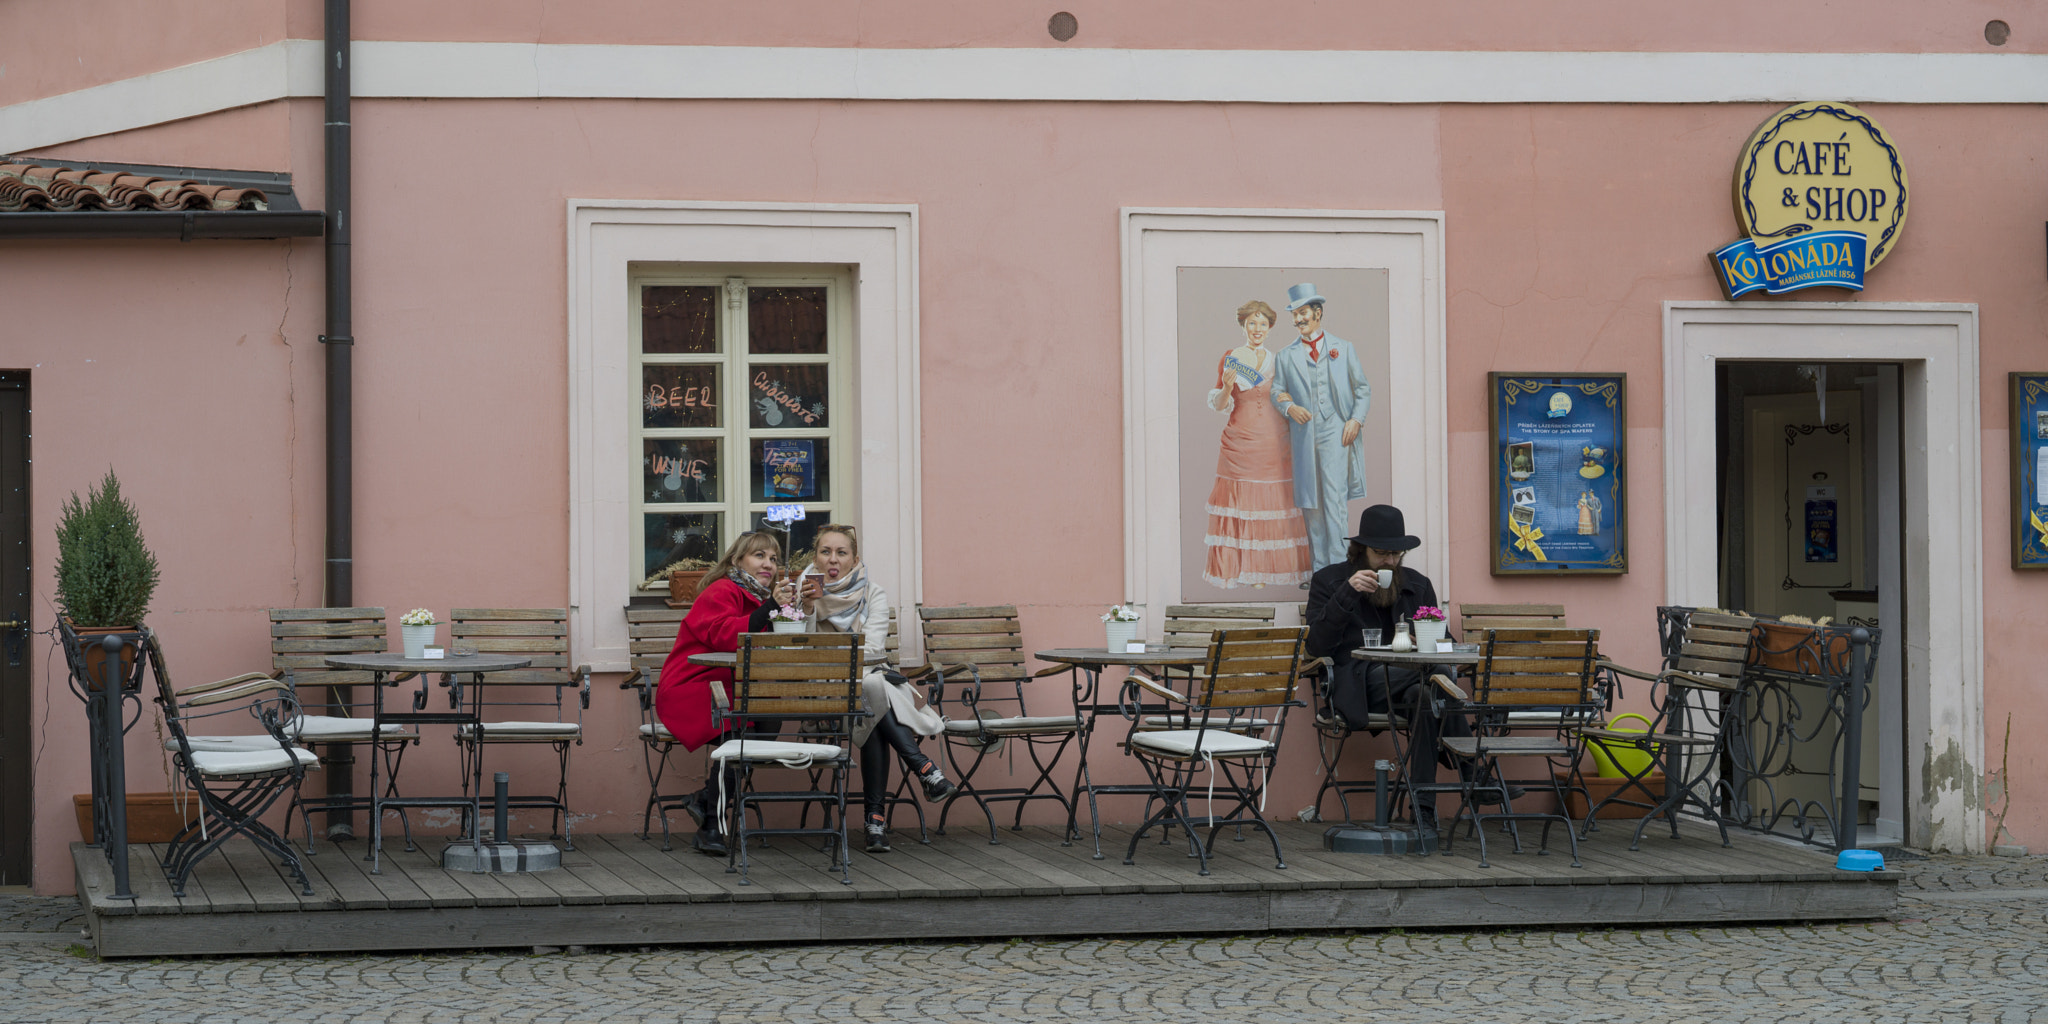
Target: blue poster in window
[
  {"x": 1556, "y": 473},
  {"x": 789, "y": 469},
  {"x": 1821, "y": 535},
  {"x": 2029, "y": 470}
]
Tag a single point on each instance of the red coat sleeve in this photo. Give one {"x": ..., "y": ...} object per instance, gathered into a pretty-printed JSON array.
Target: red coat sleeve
[{"x": 682, "y": 697}]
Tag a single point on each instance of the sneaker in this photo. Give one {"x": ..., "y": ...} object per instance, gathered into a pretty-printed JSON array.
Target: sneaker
[
  {"x": 936, "y": 786},
  {"x": 878, "y": 834}
]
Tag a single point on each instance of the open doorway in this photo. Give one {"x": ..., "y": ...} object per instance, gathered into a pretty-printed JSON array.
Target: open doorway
[{"x": 1810, "y": 499}]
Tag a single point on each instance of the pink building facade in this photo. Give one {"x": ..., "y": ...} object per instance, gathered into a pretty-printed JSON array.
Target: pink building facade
[{"x": 993, "y": 224}]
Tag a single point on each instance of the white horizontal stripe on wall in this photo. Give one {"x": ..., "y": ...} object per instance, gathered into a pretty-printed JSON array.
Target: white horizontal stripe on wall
[{"x": 528, "y": 70}]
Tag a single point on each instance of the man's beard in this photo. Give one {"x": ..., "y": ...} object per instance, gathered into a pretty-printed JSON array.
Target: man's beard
[{"x": 1385, "y": 597}]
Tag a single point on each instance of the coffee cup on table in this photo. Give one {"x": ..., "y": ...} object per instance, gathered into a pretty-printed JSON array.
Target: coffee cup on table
[{"x": 1386, "y": 578}]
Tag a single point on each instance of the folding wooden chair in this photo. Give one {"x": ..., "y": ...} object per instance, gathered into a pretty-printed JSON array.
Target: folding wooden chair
[
  {"x": 790, "y": 677},
  {"x": 1695, "y": 705},
  {"x": 301, "y": 639},
  {"x": 234, "y": 787},
  {"x": 1195, "y": 625},
  {"x": 979, "y": 651},
  {"x": 1541, "y": 670},
  {"x": 1249, "y": 672},
  {"x": 650, "y": 635},
  {"x": 526, "y": 706}
]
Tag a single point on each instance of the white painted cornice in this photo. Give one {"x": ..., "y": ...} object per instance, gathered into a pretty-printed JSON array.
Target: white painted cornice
[{"x": 532, "y": 71}]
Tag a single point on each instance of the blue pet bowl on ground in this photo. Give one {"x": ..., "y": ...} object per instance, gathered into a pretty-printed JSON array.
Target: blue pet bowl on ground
[{"x": 1859, "y": 860}]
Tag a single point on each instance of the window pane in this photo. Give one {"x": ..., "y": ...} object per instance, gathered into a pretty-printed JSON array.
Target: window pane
[
  {"x": 786, "y": 395},
  {"x": 801, "y": 535},
  {"x": 679, "y": 318},
  {"x": 786, "y": 321},
  {"x": 791, "y": 469},
  {"x": 680, "y": 469},
  {"x": 686, "y": 537},
  {"x": 679, "y": 395}
]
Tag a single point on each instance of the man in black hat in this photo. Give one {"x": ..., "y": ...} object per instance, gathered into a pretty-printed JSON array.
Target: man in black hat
[{"x": 1344, "y": 599}]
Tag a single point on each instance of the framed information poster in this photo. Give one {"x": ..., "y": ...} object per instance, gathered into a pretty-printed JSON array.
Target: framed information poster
[
  {"x": 2030, "y": 470},
  {"x": 1556, "y": 493}
]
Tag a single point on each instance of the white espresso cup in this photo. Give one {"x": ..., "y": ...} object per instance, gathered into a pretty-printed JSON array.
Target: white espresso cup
[{"x": 1386, "y": 578}]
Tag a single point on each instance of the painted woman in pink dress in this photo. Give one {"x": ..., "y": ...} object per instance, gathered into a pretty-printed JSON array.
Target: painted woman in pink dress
[{"x": 1256, "y": 535}]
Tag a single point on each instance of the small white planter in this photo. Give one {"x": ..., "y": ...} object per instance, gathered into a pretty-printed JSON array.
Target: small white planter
[
  {"x": 784, "y": 626},
  {"x": 416, "y": 639},
  {"x": 1427, "y": 633},
  {"x": 1117, "y": 634}
]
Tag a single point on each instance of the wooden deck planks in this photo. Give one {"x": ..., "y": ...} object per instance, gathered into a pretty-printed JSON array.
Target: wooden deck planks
[{"x": 624, "y": 890}]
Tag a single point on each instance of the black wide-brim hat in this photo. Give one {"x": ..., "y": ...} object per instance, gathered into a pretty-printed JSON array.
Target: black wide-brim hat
[{"x": 1381, "y": 526}]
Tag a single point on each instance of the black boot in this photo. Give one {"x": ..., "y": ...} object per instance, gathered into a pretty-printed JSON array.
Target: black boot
[{"x": 710, "y": 842}]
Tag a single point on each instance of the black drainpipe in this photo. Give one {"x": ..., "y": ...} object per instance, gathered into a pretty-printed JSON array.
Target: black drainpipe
[{"x": 339, "y": 342}]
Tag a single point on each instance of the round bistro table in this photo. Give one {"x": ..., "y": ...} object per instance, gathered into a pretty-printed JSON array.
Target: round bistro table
[{"x": 1087, "y": 664}]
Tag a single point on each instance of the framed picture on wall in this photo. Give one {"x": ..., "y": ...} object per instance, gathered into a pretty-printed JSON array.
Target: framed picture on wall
[
  {"x": 1555, "y": 474},
  {"x": 2029, "y": 470}
]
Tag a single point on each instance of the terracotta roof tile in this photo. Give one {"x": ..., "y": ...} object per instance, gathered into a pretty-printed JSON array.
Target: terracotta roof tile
[{"x": 25, "y": 186}]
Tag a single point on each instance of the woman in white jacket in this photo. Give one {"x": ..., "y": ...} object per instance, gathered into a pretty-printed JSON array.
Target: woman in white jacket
[{"x": 842, "y": 599}]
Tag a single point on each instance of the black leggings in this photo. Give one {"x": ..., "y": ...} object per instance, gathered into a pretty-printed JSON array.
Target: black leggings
[{"x": 874, "y": 758}]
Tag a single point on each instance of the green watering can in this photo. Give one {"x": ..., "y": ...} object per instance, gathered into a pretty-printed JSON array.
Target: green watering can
[{"x": 1622, "y": 761}]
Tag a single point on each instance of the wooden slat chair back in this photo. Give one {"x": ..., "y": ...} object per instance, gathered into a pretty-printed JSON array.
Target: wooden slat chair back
[
  {"x": 978, "y": 651},
  {"x": 527, "y": 706},
  {"x": 1195, "y": 625},
  {"x": 1530, "y": 668},
  {"x": 811, "y": 678},
  {"x": 1713, "y": 649},
  {"x": 336, "y": 705},
  {"x": 301, "y": 639},
  {"x": 1473, "y": 617},
  {"x": 650, "y": 635},
  {"x": 1247, "y": 671}
]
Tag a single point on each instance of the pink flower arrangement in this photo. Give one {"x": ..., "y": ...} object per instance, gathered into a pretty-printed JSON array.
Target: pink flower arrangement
[{"x": 1429, "y": 613}]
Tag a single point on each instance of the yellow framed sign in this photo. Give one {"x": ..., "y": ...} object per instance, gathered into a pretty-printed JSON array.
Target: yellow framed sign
[{"x": 1820, "y": 196}]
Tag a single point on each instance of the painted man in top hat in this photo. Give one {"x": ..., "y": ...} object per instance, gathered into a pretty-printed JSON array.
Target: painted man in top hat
[{"x": 1320, "y": 386}]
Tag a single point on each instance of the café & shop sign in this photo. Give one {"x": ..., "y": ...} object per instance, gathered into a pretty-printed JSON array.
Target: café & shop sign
[{"x": 1820, "y": 195}]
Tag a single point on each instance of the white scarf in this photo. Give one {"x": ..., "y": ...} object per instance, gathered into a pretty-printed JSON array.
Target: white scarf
[{"x": 844, "y": 603}]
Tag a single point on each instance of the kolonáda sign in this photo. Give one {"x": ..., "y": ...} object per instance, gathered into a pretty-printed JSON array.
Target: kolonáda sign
[{"x": 1821, "y": 194}]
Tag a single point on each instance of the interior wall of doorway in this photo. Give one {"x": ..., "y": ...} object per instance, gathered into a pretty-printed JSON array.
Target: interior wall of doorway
[
  {"x": 1810, "y": 488},
  {"x": 1940, "y": 510},
  {"x": 17, "y": 756}
]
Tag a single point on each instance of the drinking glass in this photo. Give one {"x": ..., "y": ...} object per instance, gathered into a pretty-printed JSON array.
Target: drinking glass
[{"x": 1369, "y": 638}]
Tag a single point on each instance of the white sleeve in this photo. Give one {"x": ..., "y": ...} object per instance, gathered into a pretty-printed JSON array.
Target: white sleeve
[{"x": 877, "y": 625}]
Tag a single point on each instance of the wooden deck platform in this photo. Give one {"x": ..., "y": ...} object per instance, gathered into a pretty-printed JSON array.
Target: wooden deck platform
[{"x": 622, "y": 890}]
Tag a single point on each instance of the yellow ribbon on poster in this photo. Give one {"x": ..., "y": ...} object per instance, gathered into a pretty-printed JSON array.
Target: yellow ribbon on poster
[
  {"x": 2040, "y": 527},
  {"x": 1527, "y": 536}
]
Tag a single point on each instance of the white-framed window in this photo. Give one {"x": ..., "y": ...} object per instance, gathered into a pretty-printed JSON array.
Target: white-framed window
[{"x": 742, "y": 380}]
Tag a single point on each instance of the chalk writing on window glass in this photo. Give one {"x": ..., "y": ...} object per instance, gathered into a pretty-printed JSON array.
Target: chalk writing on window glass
[
  {"x": 680, "y": 395},
  {"x": 786, "y": 395},
  {"x": 680, "y": 470}
]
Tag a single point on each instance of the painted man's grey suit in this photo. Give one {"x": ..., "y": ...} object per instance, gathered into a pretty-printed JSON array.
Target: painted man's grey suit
[{"x": 1327, "y": 473}]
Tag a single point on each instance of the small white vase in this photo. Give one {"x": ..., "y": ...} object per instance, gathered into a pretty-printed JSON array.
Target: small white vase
[
  {"x": 1427, "y": 633},
  {"x": 786, "y": 626},
  {"x": 1117, "y": 634},
  {"x": 416, "y": 639}
]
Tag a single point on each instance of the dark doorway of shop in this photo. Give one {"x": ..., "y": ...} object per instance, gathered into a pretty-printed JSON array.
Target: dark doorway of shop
[
  {"x": 16, "y": 754},
  {"x": 1810, "y": 502}
]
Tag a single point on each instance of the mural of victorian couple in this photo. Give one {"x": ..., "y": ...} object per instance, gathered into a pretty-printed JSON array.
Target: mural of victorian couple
[{"x": 1291, "y": 456}]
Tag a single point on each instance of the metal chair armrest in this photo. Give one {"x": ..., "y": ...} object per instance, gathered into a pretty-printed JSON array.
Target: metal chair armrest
[{"x": 583, "y": 673}]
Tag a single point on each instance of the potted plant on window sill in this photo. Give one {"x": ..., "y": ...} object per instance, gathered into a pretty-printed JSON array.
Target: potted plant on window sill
[
  {"x": 683, "y": 579},
  {"x": 106, "y": 577}
]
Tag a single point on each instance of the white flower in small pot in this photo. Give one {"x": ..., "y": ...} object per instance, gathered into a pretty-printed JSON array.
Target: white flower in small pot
[
  {"x": 786, "y": 618},
  {"x": 416, "y": 630},
  {"x": 1120, "y": 626}
]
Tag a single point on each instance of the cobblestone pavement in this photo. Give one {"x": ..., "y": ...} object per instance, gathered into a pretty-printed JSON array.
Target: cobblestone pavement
[{"x": 1968, "y": 945}]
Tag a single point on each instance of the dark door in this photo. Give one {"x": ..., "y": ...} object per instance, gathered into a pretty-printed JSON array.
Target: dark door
[{"x": 17, "y": 784}]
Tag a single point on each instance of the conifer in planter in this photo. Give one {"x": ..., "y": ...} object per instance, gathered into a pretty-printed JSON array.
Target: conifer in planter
[{"x": 105, "y": 574}]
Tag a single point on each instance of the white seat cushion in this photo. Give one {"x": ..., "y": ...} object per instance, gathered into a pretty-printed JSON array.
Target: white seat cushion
[
  {"x": 1175, "y": 722},
  {"x": 658, "y": 731},
  {"x": 250, "y": 762},
  {"x": 336, "y": 729},
  {"x": 1181, "y": 743},
  {"x": 774, "y": 750},
  {"x": 524, "y": 730},
  {"x": 1013, "y": 726}
]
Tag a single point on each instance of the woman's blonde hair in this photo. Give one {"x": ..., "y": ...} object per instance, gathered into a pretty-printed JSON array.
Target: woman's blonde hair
[
  {"x": 852, "y": 538},
  {"x": 742, "y": 546},
  {"x": 1245, "y": 311}
]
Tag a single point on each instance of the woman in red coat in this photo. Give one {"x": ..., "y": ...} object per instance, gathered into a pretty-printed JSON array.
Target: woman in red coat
[{"x": 737, "y": 595}]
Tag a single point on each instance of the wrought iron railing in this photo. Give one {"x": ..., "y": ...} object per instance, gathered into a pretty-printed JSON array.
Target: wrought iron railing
[{"x": 1792, "y": 732}]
